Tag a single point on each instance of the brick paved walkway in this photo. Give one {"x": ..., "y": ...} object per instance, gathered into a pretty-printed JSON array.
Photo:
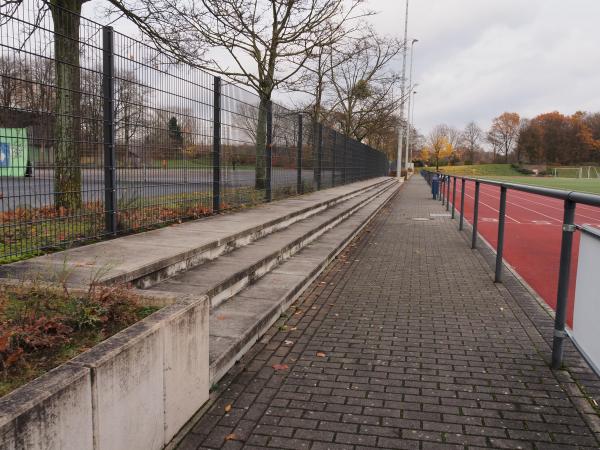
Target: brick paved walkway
[{"x": 405, "y": 342}]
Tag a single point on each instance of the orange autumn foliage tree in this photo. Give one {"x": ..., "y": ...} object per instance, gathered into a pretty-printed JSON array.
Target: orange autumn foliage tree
[
  {"x": 554, "y": 138},
  {"x": 438, "y": 145}
]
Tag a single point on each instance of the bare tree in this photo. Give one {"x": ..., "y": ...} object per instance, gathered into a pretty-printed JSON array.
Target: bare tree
[
  {"x": 504, "y": 132},
  {"x": 9, "y": 81},
  {"x": 131, "y": 99},
  {"x": 363, "y": 84},
  {"x": 470, "y": 139},
  {"x": 267, "y": 41}
]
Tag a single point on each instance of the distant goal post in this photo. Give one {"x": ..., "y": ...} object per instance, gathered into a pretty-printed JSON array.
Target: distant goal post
[{"x": 587, "y": 172}]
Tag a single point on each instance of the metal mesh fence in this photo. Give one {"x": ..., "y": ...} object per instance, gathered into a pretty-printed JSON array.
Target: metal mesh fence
[{"x": 101, "y": 134}]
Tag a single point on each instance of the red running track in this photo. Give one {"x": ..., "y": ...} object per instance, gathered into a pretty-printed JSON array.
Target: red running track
[{"x": 532, "y": 235}]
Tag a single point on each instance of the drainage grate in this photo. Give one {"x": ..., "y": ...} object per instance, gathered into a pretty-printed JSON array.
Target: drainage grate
[
  {"x": 420, "y": 218},
  {"x": 440, "y": 215}
]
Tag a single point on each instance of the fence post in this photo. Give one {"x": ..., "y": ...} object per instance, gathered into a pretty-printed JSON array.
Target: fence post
[
  {"x": 475, "y": 216},
  {"x": 108, "y": 92},
  {"x": 564, "y": 271},
  {"x": 344, "y": 161},
  {"x": 462, "y": 204},
  {"x": 319, "y": 154},
  {"x": 299, "y": 184},
  {"x": 269, "y": 154},
  {"x": 333, "y": 158},
  {"x": 216, "y": 145},
  {"x": 500, "y": 245},
  {"x": 453, "y": 197}
]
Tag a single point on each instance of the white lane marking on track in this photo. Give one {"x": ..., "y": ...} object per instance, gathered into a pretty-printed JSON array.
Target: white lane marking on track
[
  {"x": 522, "y": 207},
  {"x": 492, "y": 208},
  {"x": 521, "y": 196}
]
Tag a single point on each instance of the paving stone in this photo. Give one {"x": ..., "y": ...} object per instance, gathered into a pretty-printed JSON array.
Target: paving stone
[{"x": 422, "y": 351}]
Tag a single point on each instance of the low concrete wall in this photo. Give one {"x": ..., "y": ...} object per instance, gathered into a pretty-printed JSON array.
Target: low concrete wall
[{"x": 133, "y": 391}]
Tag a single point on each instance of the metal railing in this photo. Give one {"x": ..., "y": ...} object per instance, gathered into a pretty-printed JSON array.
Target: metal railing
[
  {"x": 570, "y": 199},
  {"x": 101, "y": 134}
]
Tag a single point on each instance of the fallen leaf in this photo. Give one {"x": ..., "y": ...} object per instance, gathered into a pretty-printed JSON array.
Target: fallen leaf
[
  {"x": 280, "y": 366},
  {"x": 227, "y": 407},
  {"x": 231, "y": 437},
  {"x": 220, "y": 317},
  {"x": 321, "y": 355},
  {"x": 288, "y": 342},
  {"x": 293, "y": 328}
]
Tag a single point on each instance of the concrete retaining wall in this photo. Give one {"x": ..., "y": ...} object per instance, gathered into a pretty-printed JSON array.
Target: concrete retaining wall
[{"x": 133, "y": 391}]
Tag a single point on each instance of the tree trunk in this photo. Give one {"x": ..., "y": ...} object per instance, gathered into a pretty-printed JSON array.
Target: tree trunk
[
  {"x": 67, "y": 129},
  {"x": 261, "y": 144}
]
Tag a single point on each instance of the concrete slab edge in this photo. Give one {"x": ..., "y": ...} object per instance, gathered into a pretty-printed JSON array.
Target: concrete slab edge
[
  {"x": 193, "y": 257},
  {"x": 240, "y": 280},
  {"x": 135, "y": 390}
]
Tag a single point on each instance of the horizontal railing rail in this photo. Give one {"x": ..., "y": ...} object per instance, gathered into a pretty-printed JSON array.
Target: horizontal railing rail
[{"x": 448, "y": 183}]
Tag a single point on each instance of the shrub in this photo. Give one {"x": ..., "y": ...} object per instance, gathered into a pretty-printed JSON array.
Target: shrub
[{"x": 42, "y": 327}]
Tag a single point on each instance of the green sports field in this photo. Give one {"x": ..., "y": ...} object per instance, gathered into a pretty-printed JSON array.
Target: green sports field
[
  {"x": 569, "y": 184},
  {"x": 505, "y": 172}
]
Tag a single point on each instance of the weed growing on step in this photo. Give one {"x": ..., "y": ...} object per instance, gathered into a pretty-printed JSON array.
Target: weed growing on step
[{"x": 42, "y": 327}]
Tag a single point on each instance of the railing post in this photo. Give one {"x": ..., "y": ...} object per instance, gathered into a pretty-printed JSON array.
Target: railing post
[
  {"x": 216, "y": 194},
  {"x": 319, "y": 154},
  {"x": 564, "y": 271},
  {"x": 445, "y": 190},
  {"x": 108, "y": 92},
  {"x": 462, "y": 204},
  {"x": 475, "y": 216},
  {"x": 269, "y": 154},
  {"x": 333, "y": 150},
  {"x": 453, "y": 197},
  {"x": 299, "y": 184},
  {"x": 500, "y": 244},
  {"x": 441, "y": 188},
  {"x": 444, "y": 184},
  {"x": 448, "y": 193}
]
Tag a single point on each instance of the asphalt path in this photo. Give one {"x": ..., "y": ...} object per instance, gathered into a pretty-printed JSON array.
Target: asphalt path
[{"x": 38, "y": 191}]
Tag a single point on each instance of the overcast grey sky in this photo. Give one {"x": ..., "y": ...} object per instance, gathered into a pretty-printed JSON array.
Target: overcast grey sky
[{"x": 478, "y": 58}]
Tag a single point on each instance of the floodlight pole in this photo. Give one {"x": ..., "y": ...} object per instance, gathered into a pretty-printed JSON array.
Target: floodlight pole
[
  {"x": 402, "y": 99},
  {"x": 410, "y": 89}
]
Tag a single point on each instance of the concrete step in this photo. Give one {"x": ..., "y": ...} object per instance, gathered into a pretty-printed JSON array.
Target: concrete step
[
  {"x": 237, "y": 323},
  {"x": 225, "y": 276},
  {"x": 147, "y": 258}
]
